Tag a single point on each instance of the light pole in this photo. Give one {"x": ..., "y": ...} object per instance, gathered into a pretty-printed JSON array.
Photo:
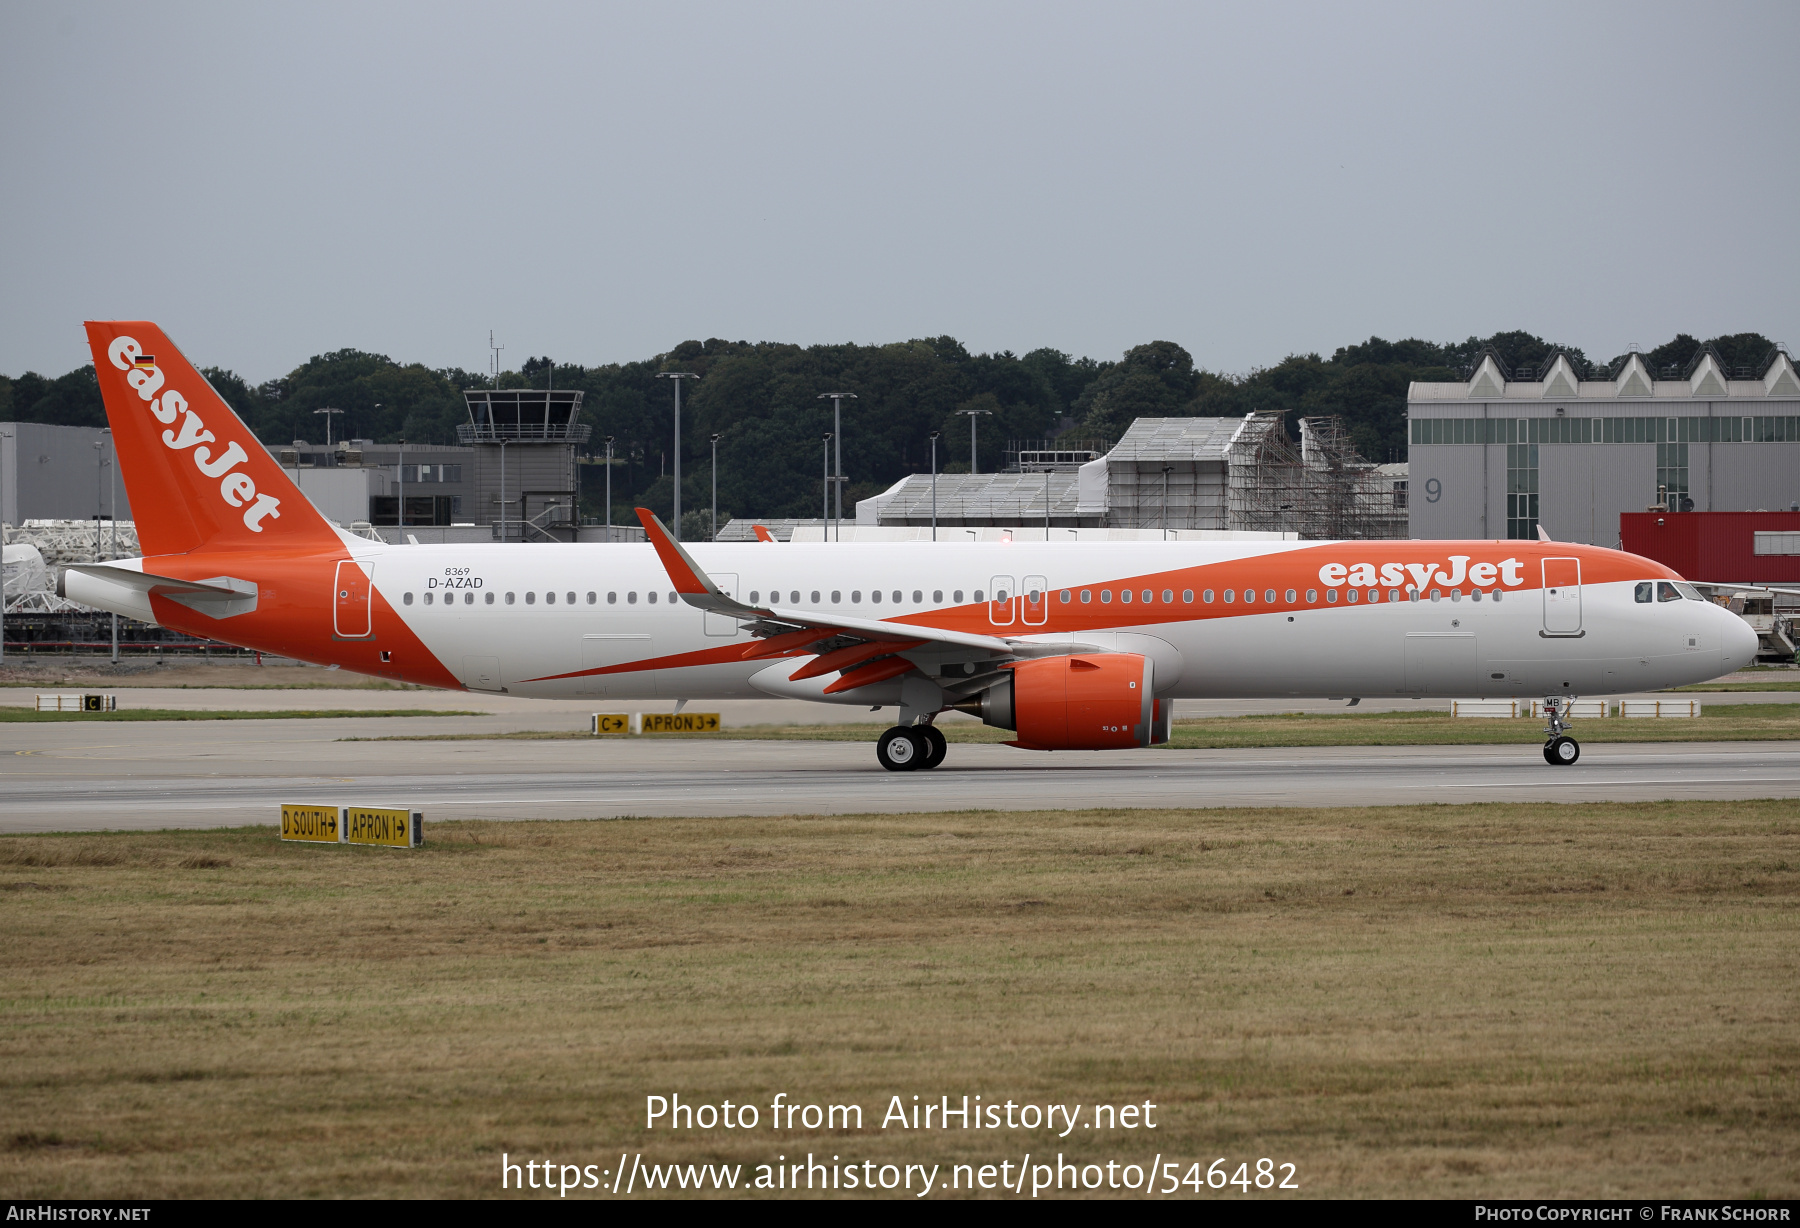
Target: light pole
[
  {"x": 677, "y": 376},
  {"x": 328, "y": 413},
  {"x": 113, "y": 524},
  {"x": 715, "y": 502},
  {"x": 402, "y": 469},
  {"x": 609, "y": 444},
  {"x": 1167, "y": 470},
  {"x": 837, "y": 429},
  {"x": 99, "y": 488},
  {"x": 3, "y": 436},
  {"x": 825, "y": 490},
  {"x": 1046, "y": 503},
  {"x": 974, "y": 463},
  {"x": 934, "y": 439}
]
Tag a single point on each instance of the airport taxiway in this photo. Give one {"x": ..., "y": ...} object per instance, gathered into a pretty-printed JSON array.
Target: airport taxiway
[{"x": 71, "y": 776}]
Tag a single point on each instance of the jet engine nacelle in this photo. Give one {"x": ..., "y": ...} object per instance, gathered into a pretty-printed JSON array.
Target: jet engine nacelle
[{"x": 1088, "y": 701}]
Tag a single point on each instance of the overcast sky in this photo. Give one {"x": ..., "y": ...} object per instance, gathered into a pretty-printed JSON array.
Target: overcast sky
[{"x": 600, "y": 182}]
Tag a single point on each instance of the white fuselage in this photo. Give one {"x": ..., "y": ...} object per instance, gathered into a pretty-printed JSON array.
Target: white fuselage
[{"x": 486, "y": 613}]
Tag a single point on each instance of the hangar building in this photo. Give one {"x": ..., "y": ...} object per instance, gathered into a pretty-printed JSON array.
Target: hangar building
[{"x": 1503, "y": 452}]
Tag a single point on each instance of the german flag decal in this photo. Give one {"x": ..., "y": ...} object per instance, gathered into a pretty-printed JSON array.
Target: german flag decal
[{"x": 144, "y": 360}]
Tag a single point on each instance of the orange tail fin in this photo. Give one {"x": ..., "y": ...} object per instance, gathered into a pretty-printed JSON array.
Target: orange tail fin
[{"x": 196, "y": 476}]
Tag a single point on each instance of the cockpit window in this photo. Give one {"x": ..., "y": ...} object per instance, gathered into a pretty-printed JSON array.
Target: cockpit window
[
  {"x": 1688, "y": 591},
  {"x": 1667, "y": 592},
  {"x": 1646, "y": 591}
]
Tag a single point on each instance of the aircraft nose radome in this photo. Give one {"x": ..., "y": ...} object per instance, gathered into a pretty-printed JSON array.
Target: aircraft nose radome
[{"x": 1740, "y": 642}]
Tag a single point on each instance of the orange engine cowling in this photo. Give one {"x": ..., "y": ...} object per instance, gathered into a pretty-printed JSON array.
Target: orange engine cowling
[{"x": 1090, "y": 701}]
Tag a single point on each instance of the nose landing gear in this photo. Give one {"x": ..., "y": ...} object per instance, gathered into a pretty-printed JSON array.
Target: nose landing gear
[
  {"x": 1560, "y": 750},
  {"x": 907, "y": 748}
]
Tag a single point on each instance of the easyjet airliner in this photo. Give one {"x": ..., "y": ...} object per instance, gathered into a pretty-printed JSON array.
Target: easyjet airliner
[{"x": 1072, "y": 646}]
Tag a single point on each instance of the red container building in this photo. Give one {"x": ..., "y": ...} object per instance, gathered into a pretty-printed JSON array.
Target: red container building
[{"x": 1718, "y": 547}]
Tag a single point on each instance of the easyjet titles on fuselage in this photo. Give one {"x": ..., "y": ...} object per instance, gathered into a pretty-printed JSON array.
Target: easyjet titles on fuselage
[
  {"x": 235, "y": 487},
  {"x": 1508, "y": 572}
]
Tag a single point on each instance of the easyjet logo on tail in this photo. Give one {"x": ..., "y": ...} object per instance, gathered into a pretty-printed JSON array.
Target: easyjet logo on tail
[
  {"x": 1509, "y": 572},
  {"x": 235, "y": 486}
]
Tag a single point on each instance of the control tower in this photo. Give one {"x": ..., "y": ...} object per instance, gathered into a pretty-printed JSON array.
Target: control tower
[{"x": 524, "y": 463}]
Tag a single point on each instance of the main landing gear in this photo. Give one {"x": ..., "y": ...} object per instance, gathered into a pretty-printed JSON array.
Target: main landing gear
[
  {"x": 1560, "y": 750},
  {"x": 906, "y": 748}
]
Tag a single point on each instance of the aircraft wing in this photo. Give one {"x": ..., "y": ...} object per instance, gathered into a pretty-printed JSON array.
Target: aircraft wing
[
  {"x": 1749, "y": 588},
  {"x": 697, "y": 589}
]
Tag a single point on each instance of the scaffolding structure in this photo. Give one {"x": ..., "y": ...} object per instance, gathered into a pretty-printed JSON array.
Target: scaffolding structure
[{"x": 1320, "y": 488}]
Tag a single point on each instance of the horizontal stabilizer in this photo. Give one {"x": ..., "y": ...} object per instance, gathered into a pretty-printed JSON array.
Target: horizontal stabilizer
[{"x": 215, "y": 596}]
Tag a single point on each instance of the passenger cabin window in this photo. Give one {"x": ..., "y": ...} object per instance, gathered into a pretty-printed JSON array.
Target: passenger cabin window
[
  {"x": 1125, "y": 595},
  {"x": 1168, "y": 596},
  {"x": 489, "y": 599},
  {"x": 752, "y": 596},
  {"x": 612, "y": 599},
  {"x": 1269, "y": 596},
  {"x": 650, "y": 597},
  {"x": 593, "y": 598},
  {"x": 510, "y": 598},
  {"x": 1187, "y": 596},
  {"x": 898, "y": 595},
  {"x": 957, "y": 596},
  {"x": 427, "y": 598},
  {"x": 1087, "y": 595},
  {"x": 1064, "y": 596},
  {"x": 1230, "y": 595},
  {"x": 836, "y": 596},
  {"x": 937, "y": 595},
  {"x": 1106, "y": 596},
  {"x": 978, "y": 596},
  {"x": 407, "y": 600},
  {"x": 630, "y": 598},
  {"x": 1206, "y": 595},
  {"x": 571, "y": 598},
  {"x": 1312, "y": 595},
  {"x": 549, "y": 598},
  {"x": 815, "y": 597},
  {"x": 1291, "y": 595},
  {"x": 1331, "y": 596},
  {"x": 918, "y": 596}
]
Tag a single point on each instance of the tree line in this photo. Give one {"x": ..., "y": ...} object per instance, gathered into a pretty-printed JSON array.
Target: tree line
[{"x": 761, "y": 398}]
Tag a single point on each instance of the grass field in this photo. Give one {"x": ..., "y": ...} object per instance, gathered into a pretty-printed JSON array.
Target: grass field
[
  {"x": 28, "y": 716},
  {"x": 1498, "y": 1000},
  {"x": 1723, "y": 723}
]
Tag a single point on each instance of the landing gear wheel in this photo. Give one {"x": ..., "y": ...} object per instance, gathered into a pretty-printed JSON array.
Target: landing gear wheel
[
  {"x": 1561, "y": 751},
  {"x": 900, "y": 749},
  {"x": 936, "y": 746}
]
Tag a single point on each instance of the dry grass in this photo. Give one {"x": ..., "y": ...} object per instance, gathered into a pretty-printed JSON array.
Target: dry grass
[
  {"x": 1476, "y": 1000},
  {"x": 30, "y": 716},
  {"x": 1721, "y": 723}
]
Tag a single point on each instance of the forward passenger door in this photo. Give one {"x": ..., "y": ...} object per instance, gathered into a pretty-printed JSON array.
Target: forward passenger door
[{"x": 1562, "y": 597}]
